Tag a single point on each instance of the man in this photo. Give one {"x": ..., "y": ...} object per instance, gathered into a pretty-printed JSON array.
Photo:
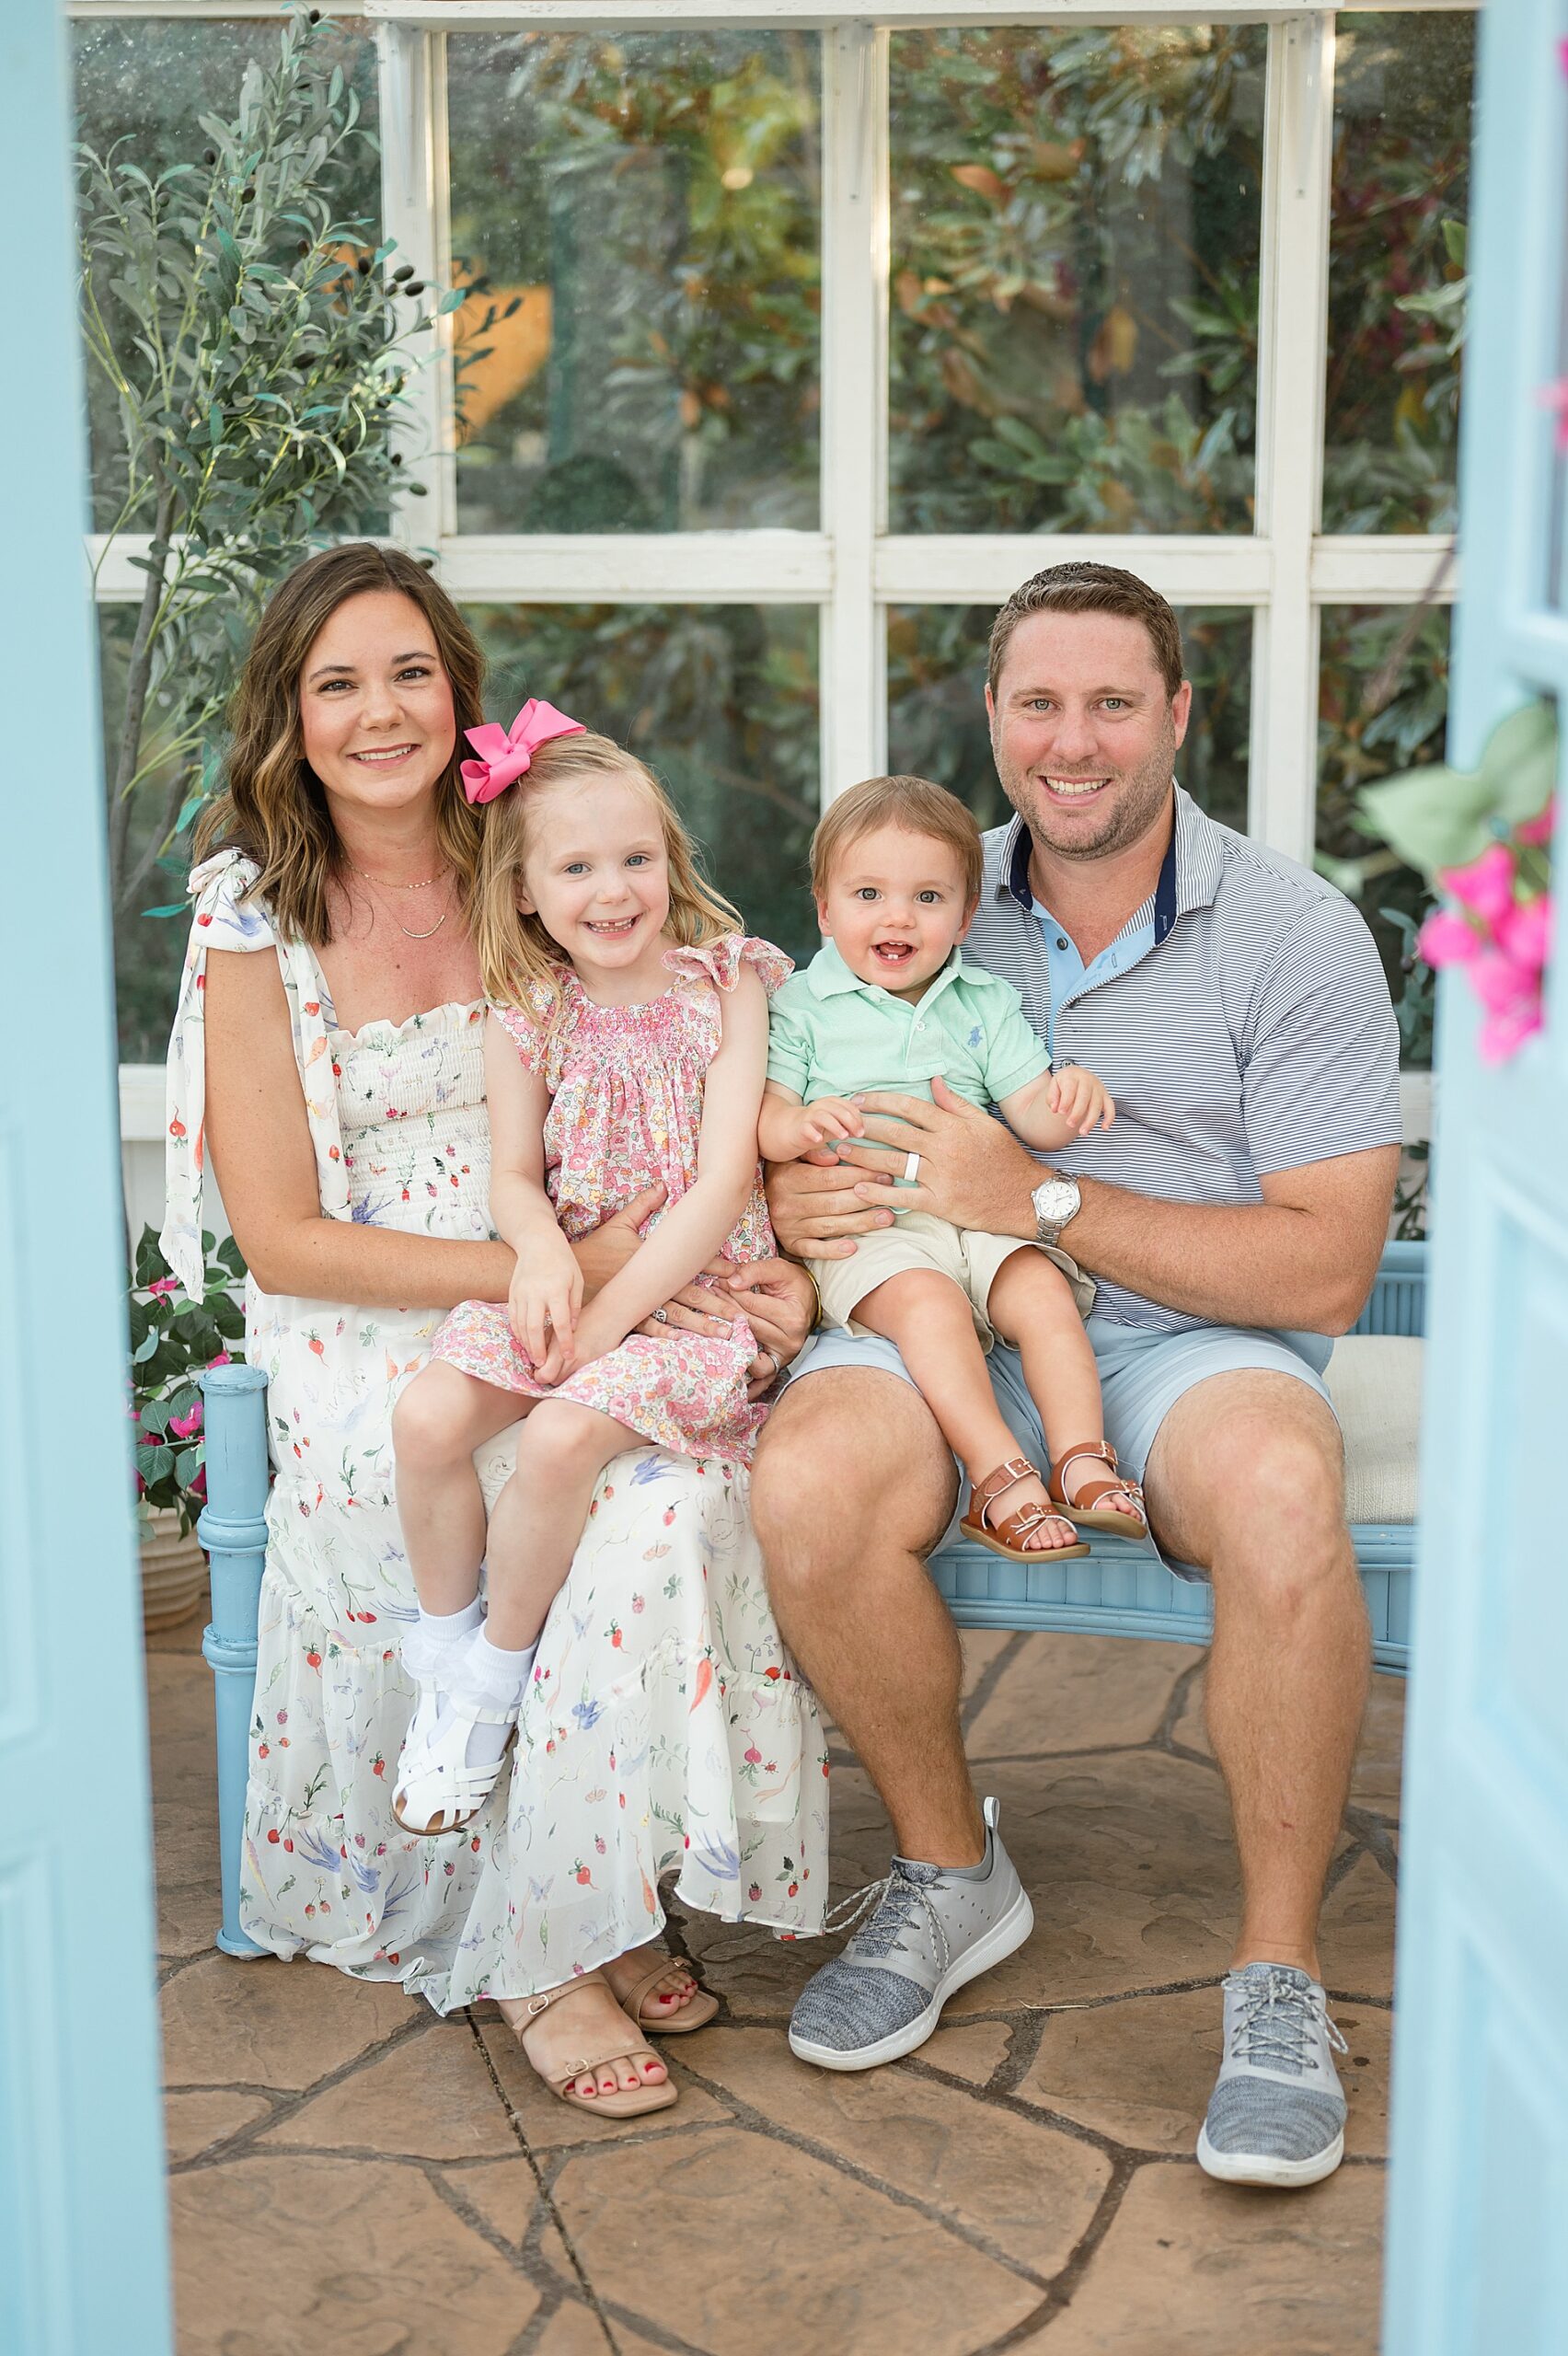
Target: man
[{"x": 1233, "y": 1219}]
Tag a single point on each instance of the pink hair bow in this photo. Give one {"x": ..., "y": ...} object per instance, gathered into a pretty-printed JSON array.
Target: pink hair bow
[{"x": 507, "y": 753}]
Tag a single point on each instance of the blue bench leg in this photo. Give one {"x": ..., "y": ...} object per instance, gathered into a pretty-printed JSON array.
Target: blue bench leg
[{"x": 234, "y": 1531}]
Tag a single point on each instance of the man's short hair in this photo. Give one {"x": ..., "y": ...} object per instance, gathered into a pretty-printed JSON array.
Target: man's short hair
[
  {"x": 1088, "y": 588},
  {"x": 912, "y": 803}
]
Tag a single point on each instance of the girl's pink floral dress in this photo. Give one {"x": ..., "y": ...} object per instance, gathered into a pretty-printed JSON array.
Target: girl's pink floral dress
[
  {"x": 626, "y": 1087},
  {"x": 665, "y": 1732}
]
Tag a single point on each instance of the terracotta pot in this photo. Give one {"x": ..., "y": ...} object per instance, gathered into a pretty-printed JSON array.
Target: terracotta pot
[{"x": 174, "y": 1571}]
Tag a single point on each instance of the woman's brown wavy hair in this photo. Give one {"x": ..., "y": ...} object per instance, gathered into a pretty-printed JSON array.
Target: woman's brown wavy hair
[
  {"x": 272, "y": 807},
  {"x": 522, "y": 966}
]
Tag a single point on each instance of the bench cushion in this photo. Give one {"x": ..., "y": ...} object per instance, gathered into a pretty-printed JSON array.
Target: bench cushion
[{"x": 1375, "y": 1382}]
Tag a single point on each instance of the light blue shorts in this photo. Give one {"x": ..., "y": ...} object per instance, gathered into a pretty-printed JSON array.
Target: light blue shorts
[{"x": 1142, "y": 1375}]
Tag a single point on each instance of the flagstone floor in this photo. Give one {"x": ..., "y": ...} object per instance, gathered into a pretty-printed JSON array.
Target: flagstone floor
[{"x": 353, "y": 2177}]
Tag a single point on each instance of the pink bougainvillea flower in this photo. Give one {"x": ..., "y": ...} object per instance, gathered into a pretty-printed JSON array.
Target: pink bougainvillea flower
[
  {"x": 1446, "y": 939},
  {"x": 199, "y": 1486},
  {"x": 1501, "y": 984},
  {"x": 1486, "y": 885},
  {"x": 222, "y": 1358},
  {"x": 164, "y": 1284},
  {"x": 1503, "y": 1036},
  {"x": 1525, "y": 933},
  {"x": 1536, "y": 831},
  {"x": 1555, "y": 397},
  {"x": 186, "y": 1425}
]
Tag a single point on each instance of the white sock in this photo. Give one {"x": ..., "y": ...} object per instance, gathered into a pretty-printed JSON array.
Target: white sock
[
  {"x": 428, "y": 1647},
  {"x": 445, "y": 1627},
  {"x": 486, "y": 1677}
]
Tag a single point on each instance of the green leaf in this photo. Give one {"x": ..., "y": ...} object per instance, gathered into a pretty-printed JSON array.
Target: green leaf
[{"x": 1434, "y": 818}]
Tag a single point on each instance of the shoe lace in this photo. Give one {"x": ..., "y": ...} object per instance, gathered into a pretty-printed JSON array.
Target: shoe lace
[
  {"x": 1274, "y": 2025},
  {"x": 892, "y": 1905}
]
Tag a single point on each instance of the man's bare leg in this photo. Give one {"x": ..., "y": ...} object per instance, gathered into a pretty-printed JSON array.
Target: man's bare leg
[
  {"x": 1246, "y": 1479},
  {"x": 853, "y": 1486}
]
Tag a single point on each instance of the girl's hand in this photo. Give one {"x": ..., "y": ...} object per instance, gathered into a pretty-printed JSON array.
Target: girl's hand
[
  {"x": 1076, "y": 1097},
  {"x": 596, "y": 1337},
  {"x": 544, "y": 1303}
]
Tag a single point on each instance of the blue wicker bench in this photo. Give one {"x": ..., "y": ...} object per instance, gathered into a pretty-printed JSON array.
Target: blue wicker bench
[{"x": 1118, "y": 1590}]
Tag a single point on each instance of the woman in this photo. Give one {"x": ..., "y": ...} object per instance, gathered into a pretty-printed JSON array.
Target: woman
[{"x": 338, "y": 1087}]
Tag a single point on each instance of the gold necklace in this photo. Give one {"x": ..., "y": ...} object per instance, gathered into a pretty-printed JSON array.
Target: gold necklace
[{"x": 407, "y": 931}]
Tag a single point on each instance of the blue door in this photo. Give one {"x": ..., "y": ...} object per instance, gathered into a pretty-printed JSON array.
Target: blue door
[
  {"x": 1478, "y": 2255},
  {"x": 83, "y": 2269}
]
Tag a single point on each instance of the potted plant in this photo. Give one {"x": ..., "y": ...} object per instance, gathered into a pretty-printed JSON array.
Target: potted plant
[{"x": 174, "y": 1340}]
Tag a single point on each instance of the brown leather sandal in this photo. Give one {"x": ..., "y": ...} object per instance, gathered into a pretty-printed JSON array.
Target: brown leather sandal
[
  {"x": 626, "y": 2102},
  {"x": 1090, "y": 1514},
  {"x": 696, "y": 2012},
  {"x": 1007, "y": 1535}
]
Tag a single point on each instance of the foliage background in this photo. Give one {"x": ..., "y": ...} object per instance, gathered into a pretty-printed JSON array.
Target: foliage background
[{"x": 1073, "y": 346}]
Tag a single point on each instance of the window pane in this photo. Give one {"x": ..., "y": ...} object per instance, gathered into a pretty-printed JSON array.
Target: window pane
[
  {"x": 148, "y": 951},
  {"x": 936, "y": 667},
  {"x": 720, "y": 701},
  {"x": 143, "y": 87},
  {"x": 651, "y": 207},
  {"x": 1382, "y": 708},
  {"x": 1074, "y": 279},
  {"x": 1403, "y": 87}
]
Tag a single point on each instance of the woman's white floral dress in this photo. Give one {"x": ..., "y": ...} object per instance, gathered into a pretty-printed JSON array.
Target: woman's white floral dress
[{"x": 664, "y": 1731}]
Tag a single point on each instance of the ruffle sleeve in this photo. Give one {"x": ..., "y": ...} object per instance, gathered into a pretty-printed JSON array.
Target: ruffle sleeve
[
  {"x": 536, "y": 1027},
  {"x": 223, "y": 918},
  {"x": 719, "y": 962}
]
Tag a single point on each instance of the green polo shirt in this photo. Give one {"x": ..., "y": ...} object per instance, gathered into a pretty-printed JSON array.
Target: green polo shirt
[{"x": 832, "y": 1035}]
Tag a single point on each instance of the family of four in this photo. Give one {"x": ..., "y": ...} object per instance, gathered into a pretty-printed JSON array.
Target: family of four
[{"x": 1080, "y": 1138}]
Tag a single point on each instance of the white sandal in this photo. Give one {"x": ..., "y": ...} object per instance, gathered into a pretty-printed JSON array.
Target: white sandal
[{"x": 437, "y": 1791}]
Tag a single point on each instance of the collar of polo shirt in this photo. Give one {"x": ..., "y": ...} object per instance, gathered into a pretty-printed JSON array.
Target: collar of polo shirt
[
  {"x": 827, "y": 975},
  {"x": 1189, "y": 875}
]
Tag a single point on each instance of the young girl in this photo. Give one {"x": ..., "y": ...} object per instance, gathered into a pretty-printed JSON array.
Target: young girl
[{"x": 625, "y": 1048}]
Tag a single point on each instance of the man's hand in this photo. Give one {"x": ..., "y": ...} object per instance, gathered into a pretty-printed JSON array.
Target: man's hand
[
  {"x": 817, "y": 1209},
  {"x": 973, "y": 1172}
]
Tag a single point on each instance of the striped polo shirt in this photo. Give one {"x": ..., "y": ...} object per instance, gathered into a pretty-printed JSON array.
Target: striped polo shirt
[{"x": 1240, "y": 1019}]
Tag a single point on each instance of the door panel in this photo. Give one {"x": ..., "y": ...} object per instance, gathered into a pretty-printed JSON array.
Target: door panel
[
  {"x": 83, "y": 2270},
  {"x": 1477, "y": 2256}
]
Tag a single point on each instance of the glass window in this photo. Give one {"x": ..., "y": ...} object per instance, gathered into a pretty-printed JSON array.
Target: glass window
[
  {"x": 148, "y": 949},
  {"x": 1404, "y": 93},
  {"x": 141, "y": 88},
  {"x": 1074, "y": 279},
  {"x": 1382, "y": 708},
  {"x": 720, "y": 700},
  {"x": 936, "y": 665},
  {"x": 645, "y": 215}
]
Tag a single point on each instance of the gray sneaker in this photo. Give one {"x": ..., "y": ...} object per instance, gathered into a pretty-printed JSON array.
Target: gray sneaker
[
  {"x": 1276, "y": 2115},
  {"x": 931, "y": 1930}
]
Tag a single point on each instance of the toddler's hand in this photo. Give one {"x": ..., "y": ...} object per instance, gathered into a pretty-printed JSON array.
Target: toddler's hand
[
  {"x": 542, "y": 1305},
  {"x": 596, "y": 1338},
  {"x": 828, "y": 1118},
  {"x": 1081, "y": 1099}
]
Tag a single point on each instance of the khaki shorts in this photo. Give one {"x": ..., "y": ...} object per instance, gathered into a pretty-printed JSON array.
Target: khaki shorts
[{"x": 917, "y": 1241}]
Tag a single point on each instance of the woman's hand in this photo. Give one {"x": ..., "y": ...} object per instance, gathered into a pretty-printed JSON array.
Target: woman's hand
[
  {"x": 544, "y": 1301},
  {"x": 605, "y": 1251}
]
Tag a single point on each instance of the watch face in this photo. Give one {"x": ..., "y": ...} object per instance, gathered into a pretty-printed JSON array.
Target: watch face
[{"x": 1055, "y": 1201}]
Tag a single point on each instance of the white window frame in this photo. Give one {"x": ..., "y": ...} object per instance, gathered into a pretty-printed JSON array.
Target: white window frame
[{"x": 1285, "y": 571}]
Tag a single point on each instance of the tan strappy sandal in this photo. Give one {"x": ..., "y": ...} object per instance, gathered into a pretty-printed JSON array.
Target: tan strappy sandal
[
  {"x": 626, "y": 2102},
  {"x": 696, "y": 2012},
  {"x": 1006, "y": 1535},
  {"x": 1091, "y": 1513}
]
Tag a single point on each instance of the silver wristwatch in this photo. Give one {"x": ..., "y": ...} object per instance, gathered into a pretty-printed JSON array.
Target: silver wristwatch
[{"x": 1055, "y": 1201}]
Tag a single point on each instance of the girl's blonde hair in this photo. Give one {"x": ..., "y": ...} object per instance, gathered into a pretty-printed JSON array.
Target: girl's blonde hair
[
  {"x": 519, "y": 961},
  {"x": 272, "y": 807}
]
